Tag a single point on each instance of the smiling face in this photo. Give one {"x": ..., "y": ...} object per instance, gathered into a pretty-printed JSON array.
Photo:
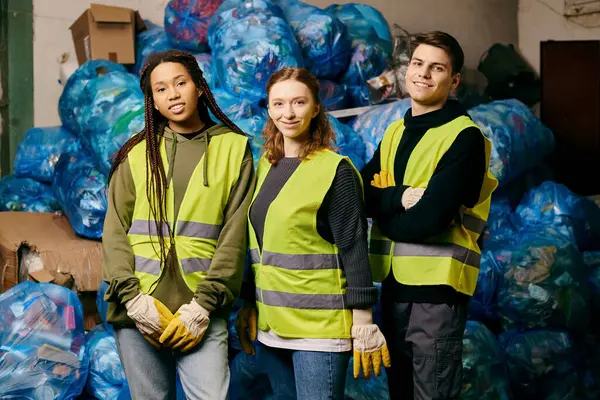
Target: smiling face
[
  {"x": 430, "y": 79},
  {"x": 292, "y": 108},
  {"x": 174, "y": 93}
]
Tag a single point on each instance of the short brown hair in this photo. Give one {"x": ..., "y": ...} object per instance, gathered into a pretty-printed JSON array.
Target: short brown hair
[
  {"x": 443, "y": 41},
  {"x": 321, "y": 134}
]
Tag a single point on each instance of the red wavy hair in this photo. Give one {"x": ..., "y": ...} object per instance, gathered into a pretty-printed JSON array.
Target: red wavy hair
[{"x": 321, "y": 135}]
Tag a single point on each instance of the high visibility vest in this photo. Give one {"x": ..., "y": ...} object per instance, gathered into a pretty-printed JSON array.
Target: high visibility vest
[
  {"x": 452, "y": 257},
  {"x": 198, "y": 224},
  {"x": 300, "y": 284}
]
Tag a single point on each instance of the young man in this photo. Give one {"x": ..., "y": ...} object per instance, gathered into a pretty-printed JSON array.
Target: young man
[{"x": 429, "y": 197}]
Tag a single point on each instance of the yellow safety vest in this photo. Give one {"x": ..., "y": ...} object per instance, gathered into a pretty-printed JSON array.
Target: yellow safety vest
[
  {"x": 200, "y": 218},
  {"x": 452, "y": 257},
  {"x": 300, "y": 284}
]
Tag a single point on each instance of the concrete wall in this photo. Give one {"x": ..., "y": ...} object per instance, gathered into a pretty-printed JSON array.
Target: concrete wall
[
  {"x": 541, "y": 20},
  {"x": 477, "y": 24}
]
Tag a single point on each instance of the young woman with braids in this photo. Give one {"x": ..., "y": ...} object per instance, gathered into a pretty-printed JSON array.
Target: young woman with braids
[
  {"x": 175, "y": 235},
  {"x": 309, "y": 299}
]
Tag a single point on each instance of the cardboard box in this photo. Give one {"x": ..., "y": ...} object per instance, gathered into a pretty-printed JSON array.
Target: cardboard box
[
  {"x": 67, "y": 259},
  {"x": 106, "y": 32}
]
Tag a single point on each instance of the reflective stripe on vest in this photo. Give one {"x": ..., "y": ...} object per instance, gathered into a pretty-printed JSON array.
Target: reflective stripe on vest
[
  {"x": 300, "y": 285},
  {"x": 197, "y": 229},
  {"x": 452, "y": 257}
]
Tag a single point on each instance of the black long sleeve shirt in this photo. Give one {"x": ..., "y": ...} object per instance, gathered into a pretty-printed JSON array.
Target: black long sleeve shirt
[
  {"x": 456, "y": 181},
  {"x": 341, "y": 220}
]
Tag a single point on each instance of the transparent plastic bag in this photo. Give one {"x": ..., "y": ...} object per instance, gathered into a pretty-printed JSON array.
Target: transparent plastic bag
[
  {"x": 25, "y": 194},
  {"x": 348, "y": 143},
  {"x": 552, "y": 203},
  {"x": 70, "y": 104},
  {"x": 332, "y": 95},
  {"x": 541, "y": 364},
  {"x": 106, "y": 379},
  {"x": 235, "y": 107},
  {"x": 43, "y": 343},
  {"x": 153, "y": 39},
  {"x": 112, "y": 112},
  {"x": 519, "y": 139},
  {"x": 324, "y": 39},
  {"x": 82, "y": 193},
  {"x": 251, "y": 40},
  {"x": 187, "y": 21},
  {"x": 371, "y": 124},
  {"x": 484, "y": 375},
  {"x": 40, "y": 149},
  {"x": 542, "y": 280}
]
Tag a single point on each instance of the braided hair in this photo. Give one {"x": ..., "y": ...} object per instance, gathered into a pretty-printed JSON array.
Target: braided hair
[{"x": 156, "y": 179}]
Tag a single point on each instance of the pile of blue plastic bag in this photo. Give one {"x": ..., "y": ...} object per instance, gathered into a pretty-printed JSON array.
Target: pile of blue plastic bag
[
  {"x": 43, "y": 343},
  {"x": 26, "y": 194},
  {"x": 153, "y": 39},
  {"x": 371, "y": 47},
  {"x": 106, "y": 380},
  {"x": 187, "y": 21},
  {"x": 112, "y": 111},
  {"x": 332, "y": 95},
  {"x": 235, "y": 107},
  {"x": 520, "y": 140},
  {"x": 371, "y": 124},
  {"x": 323, "y": 38},
  {"x": 205, "y": 63},
  {"x": 249, "y": 43},
  {"x": 70, "y": 103},
  {"x": 541, "y": 364},
  {"x": 484, "y": 374},
  {"x": 82, "y": 193},
  {"x": 348, "y": 143},
  {"x": 40, "y": 150}
]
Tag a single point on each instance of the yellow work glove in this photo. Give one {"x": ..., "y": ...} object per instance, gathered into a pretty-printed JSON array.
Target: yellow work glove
[
  {"x": 245, "y": 325},
  {"x": 150, "y": 316},
  {"x": 370, "y": 347},
  {"x": 187, "y": 329},
  {"x": 382, "y": 180}
]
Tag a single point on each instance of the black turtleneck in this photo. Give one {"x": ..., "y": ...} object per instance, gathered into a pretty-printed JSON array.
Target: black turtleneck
[{"x": 456, "y": 181}]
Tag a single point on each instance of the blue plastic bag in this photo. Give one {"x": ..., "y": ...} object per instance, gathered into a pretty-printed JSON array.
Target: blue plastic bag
[
  {"x": 250, "y": 41},
  {"x": 371, "y": 42},
  {"x": 520, "y": 140},
  {"x": 151, "y": 40},
  {"x": 332, "y": 95},
  {"x": 70, "y": 103},
  {"x": 542, "y": 280},
  {"x": 253, "y": 127},
  {"x": 39, "y": 151},
  {"x": 81, "y": 191},
  {"x": 484, "y": 375},
  {"x": 541, "y": 364},
  {"x": 348, "y": 143},
  {"x": 376, "y": 388},
  {"x": 106, "y": 379},
  {"x": 102, "y": 306},
  {"x": 25, "y": 194},
  {"x": 248, "y": 378},
  {"x": 113, "y": 112},
  {"x": 552, "y": 203},
  {"x": 371, "y": 124},
  {"x": 205, "y": 63},
  {"x": 322, "y": 37},
  {"x": 187, "y": 21},
  {"x": 483, "y": 304},
  {"x": 43, "y": 343},
  {"x": 235, "y": 107}
]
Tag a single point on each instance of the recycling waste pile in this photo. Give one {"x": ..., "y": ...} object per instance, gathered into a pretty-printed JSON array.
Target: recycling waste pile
[{"x": 530, "y": 332}]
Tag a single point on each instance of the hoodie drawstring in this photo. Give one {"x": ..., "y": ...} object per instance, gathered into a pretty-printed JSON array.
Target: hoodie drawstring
[
  {"x": 205, "y": 137},
  {"x": 172, "y": 161}
]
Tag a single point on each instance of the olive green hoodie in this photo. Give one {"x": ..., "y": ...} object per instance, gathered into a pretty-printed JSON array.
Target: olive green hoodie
[{"x": 221, "y": 287}]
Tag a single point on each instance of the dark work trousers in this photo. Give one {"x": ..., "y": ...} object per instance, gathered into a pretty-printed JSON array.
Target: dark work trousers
[{"x": 425, "y": 342}]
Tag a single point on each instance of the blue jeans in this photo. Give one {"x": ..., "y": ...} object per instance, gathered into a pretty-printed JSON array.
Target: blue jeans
[
  {"x": 304, "y": 375},
  {"x": 204, "y": 371}
]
